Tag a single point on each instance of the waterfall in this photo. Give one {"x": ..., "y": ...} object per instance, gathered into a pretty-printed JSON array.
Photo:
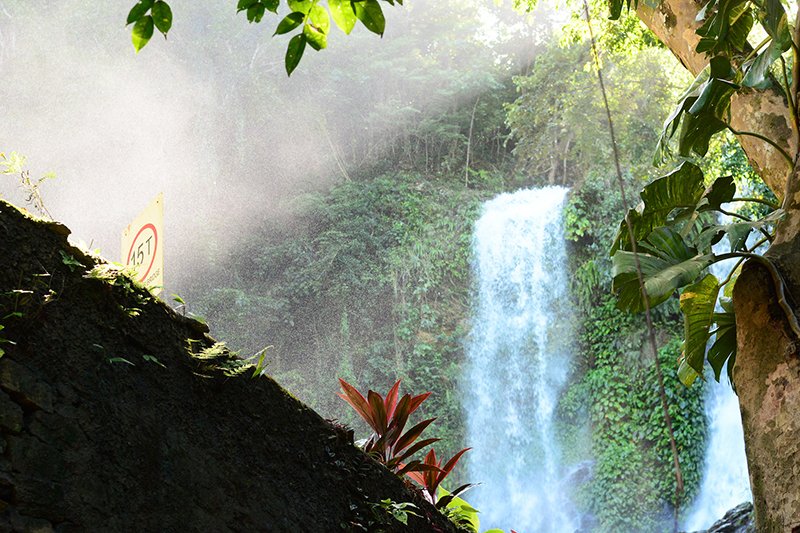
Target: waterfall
[
  {"x": 518, "y": 358},
  {"x": 725, "y": 482}
]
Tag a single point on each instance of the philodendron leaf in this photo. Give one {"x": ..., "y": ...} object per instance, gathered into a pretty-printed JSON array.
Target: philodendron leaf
[
  {"x": 294, "y": 52},
  {"x": 343, "y": 14},
  {"x": 697, "y": 304},
  {"x": 723, "y": 350},
  {"x": 681, "y": 188},
  {"x": 721, "y": 191},
  {"x": 668, "y": 266},
  {"x": 142, "y": 32},
  {"x": 162, "y": 16},
  {"x": 370, "y": 14},
  {"x": 737, "y": 232},
  {"x": 701, "y": 111},
  {"x": 776, "y": 25},
  {"x": 673, "y": 121},
  {"x": 726, "y": 31}
]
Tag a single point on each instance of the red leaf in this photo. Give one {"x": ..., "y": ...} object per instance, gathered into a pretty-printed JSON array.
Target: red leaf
[
  {"x": 452, "y": 462},
  {"x": 416, "y": 401},
  {"x": 391, "y": 399},
  {"x": 415, "y": 448},
  {"x": 378, "y": 411},
  {"x": 357, "y": 401},
  {"x": 412, "y": 434},
  {"x": 401, "y": 413}
]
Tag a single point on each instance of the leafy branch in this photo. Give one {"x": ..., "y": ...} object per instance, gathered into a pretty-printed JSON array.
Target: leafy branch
[{"x": 309, "y": 16}]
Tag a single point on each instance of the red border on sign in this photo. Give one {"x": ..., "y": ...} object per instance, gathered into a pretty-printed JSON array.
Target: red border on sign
[{"x": 155, "y": 249}]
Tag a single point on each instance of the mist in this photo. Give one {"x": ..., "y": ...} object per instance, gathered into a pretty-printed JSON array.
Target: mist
[{"x": 209, "y": 116}]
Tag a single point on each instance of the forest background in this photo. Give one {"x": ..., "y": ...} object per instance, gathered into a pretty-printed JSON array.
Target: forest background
[{"x": 330, "y": 216}]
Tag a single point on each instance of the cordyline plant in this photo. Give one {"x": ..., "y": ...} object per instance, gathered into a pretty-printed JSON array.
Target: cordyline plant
[
  {"x": 387, "y": 417},
  {"x": 431, "y": 478}
]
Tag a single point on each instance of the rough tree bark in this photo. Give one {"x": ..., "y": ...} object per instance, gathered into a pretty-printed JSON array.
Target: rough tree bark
[{"x": 767, "y": 370}]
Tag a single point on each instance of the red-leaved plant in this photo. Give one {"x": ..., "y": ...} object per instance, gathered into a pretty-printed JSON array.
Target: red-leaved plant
[
  {"x": 388, "y": 417},
  {"x": 431, "y": 478}
]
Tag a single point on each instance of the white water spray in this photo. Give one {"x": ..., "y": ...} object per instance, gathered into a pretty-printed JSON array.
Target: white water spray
[{"x": 518, "y": 357}]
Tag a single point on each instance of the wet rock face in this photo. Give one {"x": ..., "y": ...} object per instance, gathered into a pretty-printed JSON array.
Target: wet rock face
[
  {"x": 118, "y": 415},
  {"x": 737, "y": 520}
]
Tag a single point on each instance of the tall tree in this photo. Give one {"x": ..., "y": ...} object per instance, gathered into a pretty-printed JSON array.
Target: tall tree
[{"x": 767, "y": 367}]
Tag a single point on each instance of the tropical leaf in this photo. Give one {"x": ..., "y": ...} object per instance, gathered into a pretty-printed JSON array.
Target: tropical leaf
[
  {"x": 701, "y": 111},
  {"x": 670, "y": 265},
  {"x": 681, "y": 188},
  {"x": 723, "y": 350},
  {"x": 726, "y": 30},
  {"x": 387, "y": 416},
  {"x": 697, "y": 304},
  {"x": 722, "y": 191},
  {"x": 737, "y": 232}
]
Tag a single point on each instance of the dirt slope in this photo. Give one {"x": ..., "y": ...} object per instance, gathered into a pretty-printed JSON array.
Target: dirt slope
[{"x": 119, "y": 415}]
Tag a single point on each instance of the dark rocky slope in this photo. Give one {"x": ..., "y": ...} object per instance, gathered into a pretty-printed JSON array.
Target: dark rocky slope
[{"x": 119, "y": 415}]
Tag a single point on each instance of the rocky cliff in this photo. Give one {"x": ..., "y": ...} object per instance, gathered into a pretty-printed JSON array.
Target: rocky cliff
[{"x": 117, "y": 414}]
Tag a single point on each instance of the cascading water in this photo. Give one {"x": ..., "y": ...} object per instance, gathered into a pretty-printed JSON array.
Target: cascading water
[
  {"x": 518, "y": 359},
  {"x": 725, "y": 482}
]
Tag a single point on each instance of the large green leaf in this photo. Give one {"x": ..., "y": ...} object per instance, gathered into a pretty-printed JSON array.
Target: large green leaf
[
  {"x": 723, "y": 350},
  {"x": 726, "y": 30},
  {"x": 701, "y": 111},
  {"x": 722, "y": 191},
  {"x": 737, "y": 232},
  {"x": 681, "y": 188},
  {"x": 697, "y": 304},
  {"x": 773, "y": 18},
  {"x": 668, "y": 265},
  {"x": 685, "y": 101}
]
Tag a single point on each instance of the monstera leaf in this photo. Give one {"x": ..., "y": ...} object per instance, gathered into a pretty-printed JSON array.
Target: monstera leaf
[
  {"x": 697, "y": 304},
  {"x": 667, "y": 264}
]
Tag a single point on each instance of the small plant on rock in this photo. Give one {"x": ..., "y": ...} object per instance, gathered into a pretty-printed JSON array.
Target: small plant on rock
[
  {"x": 430, "y": 478},
  {"x": 387, "y": 417}
]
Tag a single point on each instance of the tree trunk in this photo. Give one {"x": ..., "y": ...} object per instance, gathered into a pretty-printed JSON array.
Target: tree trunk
[
  {"x": 767, "y": 369},
  {"x": 767, "y": 379},
  {"x": 764, "y": 112}
]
